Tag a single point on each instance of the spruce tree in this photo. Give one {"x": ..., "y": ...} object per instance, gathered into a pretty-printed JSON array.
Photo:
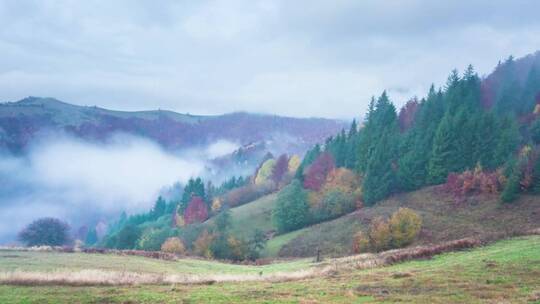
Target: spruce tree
[
  {"x": 530, "y": 91},
  {"x": 380, "y": 177},
  {"x": 486, "y": 140},
  {"x": 444, "y": 158},
  {"x": 292, "y": 210},
  {"x": 507, "y": 141}
]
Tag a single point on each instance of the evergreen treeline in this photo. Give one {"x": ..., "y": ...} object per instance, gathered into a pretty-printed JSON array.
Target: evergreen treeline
[{"x": 450, "y": 130}]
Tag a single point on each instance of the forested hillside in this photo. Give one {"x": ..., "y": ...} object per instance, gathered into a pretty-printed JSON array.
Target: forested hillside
[
  {"x": 475, "y": 137},
  {"x": 25, "y": 121}
]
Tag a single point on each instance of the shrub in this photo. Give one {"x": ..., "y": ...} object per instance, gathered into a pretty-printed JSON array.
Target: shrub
[
  {"x": 152, "y": 238},
  {"x": 380, "y": 235},
  {"x": 334, "y": 204},
  {"x": 360, "y": 242},
  {"x": 238, "y": 248},
  {"x": 473, "y": 182},
  {"x": 511, "y": 189},
  {"x": 341, "y": 179},
  {"x": 399, "y": 231},
  {"x": 45, "y": 231},
  {"x": 405, "y": 225},
  {"x": 202, "y": 246},
  {"x": 173, "y": 245}
]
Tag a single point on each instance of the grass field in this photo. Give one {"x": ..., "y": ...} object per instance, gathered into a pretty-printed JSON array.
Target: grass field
[
  {"x": 52, "y": 261},
  {"x": 505, "y": 272}
]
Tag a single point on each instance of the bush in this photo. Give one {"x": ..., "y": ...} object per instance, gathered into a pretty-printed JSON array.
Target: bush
[
  {"x": 405, "y": 225},
  {"x": 342, "y": 179},
  {"x": 173, "y": 245},
  {"x": 399, "y": 231},
  {"x": 202, "y": 246},
  {"x": 238, "y": 248},
  {"x": 380, "y": 235},
  {"x": 473, "y": 182},
  {"x": 45, "y": 231},
  {"x": 152, "y": 238},
  {"x": 334, "y": 204},
  {"x": 360, "y": 242}
]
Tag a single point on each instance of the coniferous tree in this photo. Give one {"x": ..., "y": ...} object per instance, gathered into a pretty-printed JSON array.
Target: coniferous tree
[
  {"x": 351, "y": 155},
  {"x": 507, "y": 142},
  {"x": 365, "y": 141},
  {"x": 91, "y": 237},
  {"x": 380, "y": 176},
  {"x": 530, "y": 91},
  {"x": 444, "y": 158},
  {"x": 159, "y": 208},
  {"x": 309, "y": 158},
  {"x": 292, "y": 210},
  {"x": 486, "y": 140}
]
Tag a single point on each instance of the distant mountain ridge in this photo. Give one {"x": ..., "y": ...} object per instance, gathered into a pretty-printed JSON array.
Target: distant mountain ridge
[{"x": 23, "y": 121}]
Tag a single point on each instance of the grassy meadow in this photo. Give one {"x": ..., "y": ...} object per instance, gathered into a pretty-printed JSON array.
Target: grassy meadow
[{"x": 505, "y": 272}]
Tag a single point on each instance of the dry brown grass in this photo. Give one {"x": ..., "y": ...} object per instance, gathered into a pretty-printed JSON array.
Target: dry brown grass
[{"x": 91, "y": 277}]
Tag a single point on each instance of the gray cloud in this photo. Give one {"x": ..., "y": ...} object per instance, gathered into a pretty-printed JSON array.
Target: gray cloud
[{"x": 301, "y": 58}]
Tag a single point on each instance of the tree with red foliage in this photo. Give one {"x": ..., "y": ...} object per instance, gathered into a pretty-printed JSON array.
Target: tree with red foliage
[
  {"x": 317, "y": 172},
  {"x": 196, "y": 211},
  {"x": 280, "y": 168},
  {"x": 407, "y": 114}
]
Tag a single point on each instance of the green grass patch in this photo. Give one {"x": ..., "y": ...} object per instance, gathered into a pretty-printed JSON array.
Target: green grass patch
[
  {"x": 274, "y": 245},
  {"x": 505, "y": 272},
  {"x": 51, "y": 261}
]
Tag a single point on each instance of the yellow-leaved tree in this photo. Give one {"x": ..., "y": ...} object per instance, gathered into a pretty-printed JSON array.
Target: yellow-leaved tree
[{"x": 265, "y": 172}]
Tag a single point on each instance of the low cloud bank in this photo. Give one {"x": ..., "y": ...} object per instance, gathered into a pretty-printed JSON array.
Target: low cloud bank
[{"x": 83, "y": 182}]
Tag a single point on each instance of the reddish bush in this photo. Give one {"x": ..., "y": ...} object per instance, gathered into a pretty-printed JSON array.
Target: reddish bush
[
  {"x": 318, "y": 171},
  {"x": 473, "y": 182},
  {"x": 196, "y": 211}
]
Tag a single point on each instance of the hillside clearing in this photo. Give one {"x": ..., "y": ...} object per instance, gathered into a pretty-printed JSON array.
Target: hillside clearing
[{"x": 443, "y": 220}]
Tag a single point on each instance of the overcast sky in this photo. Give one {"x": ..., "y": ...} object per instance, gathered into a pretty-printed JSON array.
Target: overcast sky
[{"x": 297, "y": 58}]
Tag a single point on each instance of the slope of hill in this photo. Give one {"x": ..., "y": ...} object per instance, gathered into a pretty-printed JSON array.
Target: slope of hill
[
  {"x": 504, "y": 272},
  {"x": 443, "y": 220},
  {"x": 254, "y": 215},
  {"x": 22, "y": 121}
]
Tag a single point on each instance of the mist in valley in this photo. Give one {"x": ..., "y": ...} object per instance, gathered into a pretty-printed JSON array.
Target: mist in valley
[{"x": 86, "y": 182}]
